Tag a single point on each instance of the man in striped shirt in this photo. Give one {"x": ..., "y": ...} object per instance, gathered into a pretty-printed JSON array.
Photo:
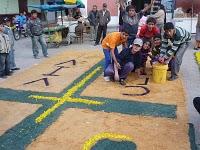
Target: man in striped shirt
[{"x": 174, "y": 44}]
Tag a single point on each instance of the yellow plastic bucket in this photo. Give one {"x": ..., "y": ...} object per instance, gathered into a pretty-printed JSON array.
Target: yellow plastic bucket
[{"x": 160, "y": 73}]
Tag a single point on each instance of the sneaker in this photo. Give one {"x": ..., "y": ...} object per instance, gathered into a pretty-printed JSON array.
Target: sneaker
[
  {"x": 9, "y": 73},
  {"x": 3, "y": 77},
  {"x": 107, "y": 79},
  {"x": 122, "y": 82},
  {"x": 15, "y": 68},
  {"x": 96, "y": 44},
  {"x": 172, "y": 78},
  {"x": 36, "y": 57},
  {"x": 46, "y": 56}
]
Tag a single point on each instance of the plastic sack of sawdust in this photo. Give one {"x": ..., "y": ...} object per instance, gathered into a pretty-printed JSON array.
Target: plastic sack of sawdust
[
  {"x": 56, "y": 37},
  {"x": 70, "y": 1}
]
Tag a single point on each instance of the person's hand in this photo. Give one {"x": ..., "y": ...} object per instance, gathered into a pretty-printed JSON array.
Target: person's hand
[
  {"x": 161, "y": 60},
  {"x": 118, "y": 65}
]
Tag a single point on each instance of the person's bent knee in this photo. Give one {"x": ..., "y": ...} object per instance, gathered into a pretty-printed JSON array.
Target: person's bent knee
[{"x": 130, "y": 65}]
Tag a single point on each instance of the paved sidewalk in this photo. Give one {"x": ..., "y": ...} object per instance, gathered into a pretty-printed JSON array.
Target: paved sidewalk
[
  {"x": 191, "y": 75},
  {"x": 190, "y": 71}
]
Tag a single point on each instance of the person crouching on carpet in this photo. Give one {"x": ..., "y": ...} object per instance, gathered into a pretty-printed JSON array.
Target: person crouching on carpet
[
  {"x": 179, "y": 40},
  {"x": 109, "y": 45},
  {"x": 146, "y": 49},
  {"x": 130, "y": 59},
  {"x": 157, "y": 41}
]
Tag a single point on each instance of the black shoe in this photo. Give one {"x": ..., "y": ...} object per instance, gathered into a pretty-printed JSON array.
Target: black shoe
[
  {"x": 122, "y": 82},
  {"x": 36, "y": 57},
  {"x": 3, "y": 77},
  {"x": 46, "y": 56},
  {"x": 172, "y": 78},
  {"x": 9, "y": 73},
  {"x": 15, "y": 68},
  {"x": 96, "y": 44},
  {"x": 196, "y": 48}
]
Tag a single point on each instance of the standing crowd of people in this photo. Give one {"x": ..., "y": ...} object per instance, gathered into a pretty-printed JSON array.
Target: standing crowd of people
[
  {"x": 154, "y": 38},
  {"x": 34, "y": 28}
]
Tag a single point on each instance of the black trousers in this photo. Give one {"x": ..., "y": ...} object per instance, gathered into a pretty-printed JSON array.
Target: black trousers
[
  {"x": 196, "y": 103},
  {"x": 100, "y": 30}
]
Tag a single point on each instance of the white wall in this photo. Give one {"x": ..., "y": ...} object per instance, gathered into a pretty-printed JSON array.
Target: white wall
[
  {"x": 84, "y": 10},
  {"x": 9, "y": 7}
]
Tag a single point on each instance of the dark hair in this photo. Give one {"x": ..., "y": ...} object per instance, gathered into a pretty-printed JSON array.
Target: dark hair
[
  {"x": 6, "y": 19},
  {"x": 33, "y": 11},
  {"x": 125, "y": 30},
  {"x": 157, "y": 36},
  {"x": 130, "y": 7},
  {"x": 145, "y": 40},
  {"x": 133, "y": 3},
  {"x": 168, "y": 26},
  {"x": 152, "y": 20},
  {"x": 104, "y": 5}
]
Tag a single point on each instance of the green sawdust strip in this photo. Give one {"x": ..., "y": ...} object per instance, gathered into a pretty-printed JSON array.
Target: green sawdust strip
[
  {"x": 26, "y": 131},
  {"x": 191, "y": 133},
  {"x": 114, "y": 145}
]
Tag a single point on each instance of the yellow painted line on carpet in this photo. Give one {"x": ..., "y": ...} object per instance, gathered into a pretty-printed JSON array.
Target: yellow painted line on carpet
[
  {"x": 106, "y": 135},
  {"x": 67, "y": 97},
  {"x": 81, "y": 83}
]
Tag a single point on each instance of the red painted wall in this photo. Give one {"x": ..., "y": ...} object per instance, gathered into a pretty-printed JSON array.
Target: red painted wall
[
  {"x": 112, "y": 7},
  {"x": 185, "y": 4}
]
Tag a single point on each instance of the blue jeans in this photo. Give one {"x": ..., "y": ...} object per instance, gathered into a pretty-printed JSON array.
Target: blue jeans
[
  {"x": 176, "y": 62},
  {"x": 4, "y": 64},
  {"x": 108, "y": 59},
  {"x": 12, "y": 58},
  {"x": 125, "y": 70},
  {"x": 43, "y": 44}
]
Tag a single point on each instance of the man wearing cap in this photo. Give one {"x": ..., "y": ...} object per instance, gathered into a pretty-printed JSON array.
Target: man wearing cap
[
  {"x": 103, "y": 18},
  {"x": 4, "y": 53},
  {"x": 130, "y": 59},
  {"x": 9, "y": 32}
]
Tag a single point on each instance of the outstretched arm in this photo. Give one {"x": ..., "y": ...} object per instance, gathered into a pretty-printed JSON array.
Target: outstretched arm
[
  {"x": 122, "y": 4},
  {"x": 148, "y": 7}
]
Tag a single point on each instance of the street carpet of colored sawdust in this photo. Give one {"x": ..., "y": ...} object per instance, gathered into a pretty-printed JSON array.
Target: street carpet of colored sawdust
[
  {"x": 84, "y": 60},
  {"x": 76, "y": 125}
]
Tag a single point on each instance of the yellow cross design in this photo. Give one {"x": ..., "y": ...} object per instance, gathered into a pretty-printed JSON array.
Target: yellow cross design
[{"x": 68, "y": 97}]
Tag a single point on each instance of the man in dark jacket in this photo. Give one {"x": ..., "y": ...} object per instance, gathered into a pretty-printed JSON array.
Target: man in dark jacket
[
  {"x": 35, "y": 30},
  {"x": 92, "y": 18},
  {"x": 103, "y": 17},
  {"x": 130, "y": 59}
]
